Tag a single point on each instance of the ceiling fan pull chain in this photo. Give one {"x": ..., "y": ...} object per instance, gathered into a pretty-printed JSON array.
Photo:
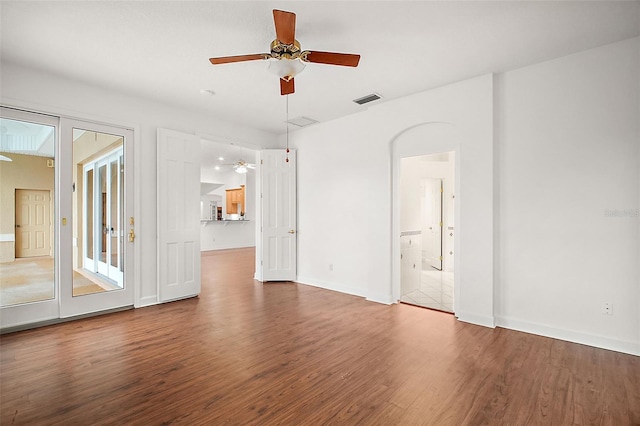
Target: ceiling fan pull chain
[{"x": 287, "y": 124}]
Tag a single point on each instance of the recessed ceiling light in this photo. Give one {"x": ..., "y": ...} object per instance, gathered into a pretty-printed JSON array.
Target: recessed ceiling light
[
  {"x": 217, "y": 167},
  {"x": 221, "y": 158},
  {"x": 207, "y": 92}
]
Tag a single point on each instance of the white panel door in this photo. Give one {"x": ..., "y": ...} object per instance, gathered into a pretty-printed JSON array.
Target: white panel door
[
  {"x": 178, "y": 215},
  {"x": 279, "y": 243},
  {"x": 33, "y": 223}
]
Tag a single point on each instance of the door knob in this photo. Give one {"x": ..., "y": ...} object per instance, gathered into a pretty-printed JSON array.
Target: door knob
[{"x": 292, "y": 231}]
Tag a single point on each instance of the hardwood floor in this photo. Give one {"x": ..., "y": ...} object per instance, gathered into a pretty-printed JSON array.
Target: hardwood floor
[{"x": 282, "y": 353}]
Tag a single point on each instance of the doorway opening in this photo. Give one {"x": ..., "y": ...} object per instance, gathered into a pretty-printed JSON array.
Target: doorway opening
[
  {"x": 228, "y": 188},
  {"x": 427, "y": 230}
]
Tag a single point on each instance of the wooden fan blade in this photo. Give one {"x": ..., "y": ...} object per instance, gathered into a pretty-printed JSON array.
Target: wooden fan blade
[
  {"x": 239, "y": 58},
  {"x": 287, "y": 87},
  {"x": 285, "y": 23},
  {"x": 331, "y": 58}
]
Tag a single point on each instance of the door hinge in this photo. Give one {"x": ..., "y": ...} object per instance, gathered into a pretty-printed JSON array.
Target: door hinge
[
  {"x": 440, "y": 224},
  {"x": 261, "y": 161},
  {"x": 441, "y": 189},
  {"x": 440, "y": 257}
]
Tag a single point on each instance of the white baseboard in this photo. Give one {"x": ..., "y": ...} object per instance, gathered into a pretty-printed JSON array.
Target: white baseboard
[
  {"x": 229, "y": 246},
  {"x": 383, "y": 298},
  {"x": 597, "y": 341},
  {"x": 330, "y": 286},
  {"x": 482, "y": 320}
]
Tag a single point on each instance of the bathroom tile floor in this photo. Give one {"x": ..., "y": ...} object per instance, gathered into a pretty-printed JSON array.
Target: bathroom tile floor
[{"x": 435, "y": 292}]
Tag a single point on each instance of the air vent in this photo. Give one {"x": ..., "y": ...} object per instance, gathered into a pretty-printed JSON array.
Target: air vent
[
  {"x": 366, "y": 99},
  {"x": 302, "y": 121}
]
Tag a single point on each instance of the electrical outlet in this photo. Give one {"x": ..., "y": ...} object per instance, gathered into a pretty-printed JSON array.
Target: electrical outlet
[{"x": 607, "y": 308}]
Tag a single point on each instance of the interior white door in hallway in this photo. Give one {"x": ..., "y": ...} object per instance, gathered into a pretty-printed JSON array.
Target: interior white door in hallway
[
  {"x": 279, "y": 238},
  {"x": 33, "y": 223},
  {"x": 178, "y": 215}
]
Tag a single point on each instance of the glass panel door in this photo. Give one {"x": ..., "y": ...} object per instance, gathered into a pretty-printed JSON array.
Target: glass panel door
[
  {"x": 66, "y": 208},
  {"x": 101, "y": 159},
  {"x": 28, "y": 225}
]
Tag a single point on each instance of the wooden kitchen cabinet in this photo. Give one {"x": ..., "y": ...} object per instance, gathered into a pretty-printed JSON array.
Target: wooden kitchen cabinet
[{"x": 235, "y": 198}]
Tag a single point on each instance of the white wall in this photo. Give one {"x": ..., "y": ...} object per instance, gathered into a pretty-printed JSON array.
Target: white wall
[
  {"x": 29, "y": 89},
  {"x": 568, "y": 154},
  {"x": 345, "y": 197},
  {"x": 567, "y": 186}
]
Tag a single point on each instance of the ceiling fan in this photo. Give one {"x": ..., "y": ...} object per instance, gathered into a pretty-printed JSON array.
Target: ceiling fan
[
  {"x": 241, "y": 166},
  {"x": 288, "y": 59}
]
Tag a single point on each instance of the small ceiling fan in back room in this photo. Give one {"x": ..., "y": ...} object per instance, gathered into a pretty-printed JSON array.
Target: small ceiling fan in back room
[{"x": 286, "y": 56}]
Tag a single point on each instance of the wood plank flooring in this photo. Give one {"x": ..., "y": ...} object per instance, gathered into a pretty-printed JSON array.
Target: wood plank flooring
[{"x": 244, "y": 353}]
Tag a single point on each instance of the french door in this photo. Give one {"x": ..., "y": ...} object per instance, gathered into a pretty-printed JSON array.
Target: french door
[
  {"x": 30, "y": 218},
  {"x": 64, "y": 245},
  {"x": 98, "y": 275}
]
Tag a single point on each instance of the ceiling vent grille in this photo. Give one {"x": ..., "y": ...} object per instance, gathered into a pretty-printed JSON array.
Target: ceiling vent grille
[{"x": 366, "y": 99}]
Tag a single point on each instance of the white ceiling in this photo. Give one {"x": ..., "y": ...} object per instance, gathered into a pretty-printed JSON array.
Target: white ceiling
[{"x": 160, "y": 50}]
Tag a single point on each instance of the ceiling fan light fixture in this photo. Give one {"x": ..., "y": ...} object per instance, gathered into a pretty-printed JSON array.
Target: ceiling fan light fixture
[
  {"x": 286, "y": 68},
  {"x": 241, "y": 169}
]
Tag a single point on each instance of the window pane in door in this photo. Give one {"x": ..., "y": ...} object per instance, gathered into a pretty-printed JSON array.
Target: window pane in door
[
  {"x": 88, "y": 218},
  {"x": 97, "y": 212},
  {"x": 114, "y": 226},
  {"x": 121, "y": 215},
  {"x": 26, "y": 212},
  {"x": 102, "y": 213}
]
